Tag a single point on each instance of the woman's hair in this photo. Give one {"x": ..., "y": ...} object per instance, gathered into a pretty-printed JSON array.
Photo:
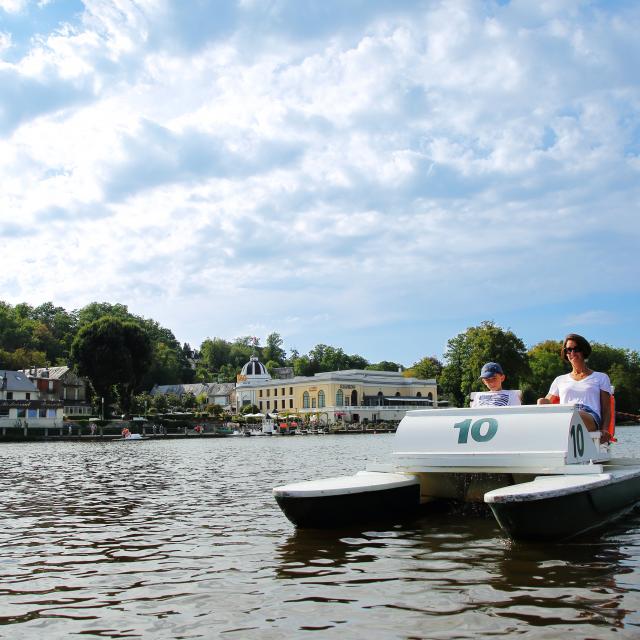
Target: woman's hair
[{"x": 585, "y": 347}]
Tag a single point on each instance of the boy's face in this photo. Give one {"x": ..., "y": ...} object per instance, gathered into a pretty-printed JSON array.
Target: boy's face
[{"x": 494, "y": 383}]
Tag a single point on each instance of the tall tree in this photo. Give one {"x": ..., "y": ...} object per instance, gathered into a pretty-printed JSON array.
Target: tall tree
[
  {"x": 274, "y": 350},
  {"x": 112, "y": 353},
  {"x": 468, "y": 351}
]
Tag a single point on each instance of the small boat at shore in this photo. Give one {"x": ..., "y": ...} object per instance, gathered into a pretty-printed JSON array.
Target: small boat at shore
[
  {"x": 537, "y": 468},
  {"x": 131, "y": 437}
]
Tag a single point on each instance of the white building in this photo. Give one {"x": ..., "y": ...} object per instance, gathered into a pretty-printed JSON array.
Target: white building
[
  {"x": 354, "y": 395},
  {"x": 21, "y": 405}
]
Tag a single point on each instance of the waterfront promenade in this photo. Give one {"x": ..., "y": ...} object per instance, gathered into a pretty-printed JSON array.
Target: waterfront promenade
[{"x": 69, "y": 432}]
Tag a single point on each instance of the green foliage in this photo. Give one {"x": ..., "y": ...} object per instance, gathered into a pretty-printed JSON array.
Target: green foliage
[
  {"x": 214, "y": 353},
  {"x": 468, "y": 351},
  {"x": 546, "y": 364},
  {"x": 426, "y": 369},
  {"x": 22, "y": 359},
  {"x": 214, "y": 410},
  {"x": 271, "y": 365},
  {"x": 32, "y": 331},
  {"x": 249, "y": 408},
  {"x": 109, "y": 352},
  {"x": 623, "y": 367},
  {"x": 274, "y": 350},
  {"x": 326, "y": 358},
  {"x": 384, "y": 365},
  {"x": 227, "y": 373},
  {"x": 43, "y": 336}
]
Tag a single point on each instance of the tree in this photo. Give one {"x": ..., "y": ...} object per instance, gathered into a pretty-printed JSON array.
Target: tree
[
  {"x": 271, "y": 365},
  {"x": 111, "y": 352},
  {"x": 427, "y": 368},
  {"x": 468, "y": 351},
  {"x": 22, "y": 359},
  {"x": 546, "y": 364},
  {"x": 214, "y": 354},
  {"x": 227, "y": 373},
  {"x": 273, "y": 349},
  {"x": 384, "y": 365}
]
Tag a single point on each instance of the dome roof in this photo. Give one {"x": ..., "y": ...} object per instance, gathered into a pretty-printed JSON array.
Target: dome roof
[{"x": 254, "y": 368}]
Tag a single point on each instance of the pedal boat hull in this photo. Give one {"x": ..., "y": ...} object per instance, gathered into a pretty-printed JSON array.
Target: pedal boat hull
[
  {"x": 562, "y": 507},
  {"x": 345, "y": 500}
]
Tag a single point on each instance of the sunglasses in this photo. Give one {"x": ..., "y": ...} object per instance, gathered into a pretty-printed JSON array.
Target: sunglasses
[{"x": 572, "y": 350}]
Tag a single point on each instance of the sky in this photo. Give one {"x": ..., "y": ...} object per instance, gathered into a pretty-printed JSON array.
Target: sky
[{"x": 376, "y": 175}]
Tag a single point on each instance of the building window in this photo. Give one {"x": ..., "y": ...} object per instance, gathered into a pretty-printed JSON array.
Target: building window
[
  {"x": 268, "y": 405},
  {"x": 260, "y": 393},
  {"x": 50, "y": 385},
  {"x": 9, "y": 395},
  {"x": 321, "y": 399},
  {"x": 418, "y": 395},
  {"x": 275, "y": 391},
  {"x": 27, "y": 396},
  {"x": 43, "y": 412},
  {"x": 51, "y": 413},
  {"x": 22, "y": 413},
  {"x": 283, "y": 391},
  {"x": 260, "y": 405},
  {"x": 313, "y": 403},
  {"x": 430, "y": 396},
  {"x": 4, "y": 411},
  {"x": 305, "y": 400},
  {"x": 339, "y": 398},
  {"x": 268, "y": 392},
  {"x": 290, "y": 391},
  {"x": 32, "y": 413},
  {"x": 290, "y": 403},
  {"x": 397, "y": 394}
]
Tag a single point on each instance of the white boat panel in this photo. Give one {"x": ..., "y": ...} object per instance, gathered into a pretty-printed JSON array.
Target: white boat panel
[
  {"x": 547, "y": 437},
  {"x": 554, "y": 486},
  {"x": 361, "y": 482}
]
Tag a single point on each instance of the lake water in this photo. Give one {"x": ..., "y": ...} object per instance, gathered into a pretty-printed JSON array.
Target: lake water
[{"x": 182, "y": 539}]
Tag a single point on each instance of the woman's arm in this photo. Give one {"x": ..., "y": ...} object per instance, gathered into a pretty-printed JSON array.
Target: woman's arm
[
  {"x": 605, "y": 408},
  {"x": 549, "y": 399}
]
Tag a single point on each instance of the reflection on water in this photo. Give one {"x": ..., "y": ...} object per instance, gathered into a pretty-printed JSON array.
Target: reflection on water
[{"x": 182, "y": 539}]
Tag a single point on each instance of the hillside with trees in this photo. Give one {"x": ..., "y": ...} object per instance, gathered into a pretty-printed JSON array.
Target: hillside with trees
[{"x": 124, "y": 355}]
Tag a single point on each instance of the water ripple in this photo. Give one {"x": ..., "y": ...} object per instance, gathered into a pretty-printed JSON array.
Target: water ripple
[{"x": 182, "y": 539}]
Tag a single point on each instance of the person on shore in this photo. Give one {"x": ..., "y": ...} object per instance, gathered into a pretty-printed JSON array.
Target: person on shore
[
  {"x": 493, "y": 376},
  {"x": 588, "y": 390}
]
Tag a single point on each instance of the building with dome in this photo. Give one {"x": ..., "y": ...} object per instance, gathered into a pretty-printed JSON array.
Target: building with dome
[
  {"x": 354, "y": 395},
  {"x": 250, "y": 377}
]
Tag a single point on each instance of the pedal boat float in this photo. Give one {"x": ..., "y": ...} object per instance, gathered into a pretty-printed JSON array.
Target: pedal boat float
[{"x": 543, "y": 475}]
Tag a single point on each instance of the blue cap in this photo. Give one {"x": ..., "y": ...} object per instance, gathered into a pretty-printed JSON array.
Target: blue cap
[{"x": 490, "y": 369}]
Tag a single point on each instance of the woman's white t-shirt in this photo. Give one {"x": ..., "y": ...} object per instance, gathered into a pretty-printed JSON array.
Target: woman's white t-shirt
[
  {"x": 500, "y": 398},
  {"x": 585, "y": 391}
]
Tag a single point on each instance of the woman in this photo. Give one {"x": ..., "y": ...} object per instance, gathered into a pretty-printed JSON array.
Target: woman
[{"x": 588, "y": 390}]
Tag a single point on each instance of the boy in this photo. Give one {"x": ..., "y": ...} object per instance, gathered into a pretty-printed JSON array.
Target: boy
[{"x": 493, "y": 376}]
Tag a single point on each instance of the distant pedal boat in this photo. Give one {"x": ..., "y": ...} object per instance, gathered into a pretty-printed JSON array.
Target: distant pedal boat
[
  {"x": 132, "y": 437},
  {"x": 543, "y": 475}
]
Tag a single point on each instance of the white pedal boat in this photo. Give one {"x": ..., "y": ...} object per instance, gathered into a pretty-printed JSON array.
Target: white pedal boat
[
  {"x": 537, "y": 467},
  {"x": 132, "y": 437}
]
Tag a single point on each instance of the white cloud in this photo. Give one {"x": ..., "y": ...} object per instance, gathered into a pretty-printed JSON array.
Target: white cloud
[
  {"x": 400, "y": 163},
  {"x": 13, "y": 6}
]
